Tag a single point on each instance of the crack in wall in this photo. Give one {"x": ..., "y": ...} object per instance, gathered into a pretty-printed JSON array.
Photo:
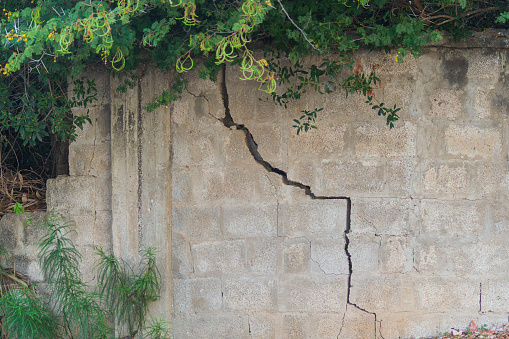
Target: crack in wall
[{"x": 252, "y": 146}]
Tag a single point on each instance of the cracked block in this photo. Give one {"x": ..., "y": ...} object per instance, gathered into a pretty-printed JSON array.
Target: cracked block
[
  {"x": 452, "y": 218},
  {"x": 94, "y": 160},
  {"x": 72, "y": 195},
  {"x": 249, "y": 294},
  {"x": 326, "y": 325},
  {"x": 381, "y": 142},
  {"x": 357, "y": 324},
  {"x": 330, "y": 256},
  {"x": 203, "y": 326},
  {"x": 440, "y": 294},
  {"x": 314, "y": 219},
  {"x": 227, "y": 257},
  {"x": 376, "y": 293},
  {"x": 304, "y": 294},
  {"x": 262, "y": 255},
  {"x": 385, "y": 216},
  {"x": 252, "y": 221},
  {"x": 268, "y": 138},
  {"x": 296, "y": 255},
  {"x": 471, "y": 141},
  {"x": 197, "y": 223}
]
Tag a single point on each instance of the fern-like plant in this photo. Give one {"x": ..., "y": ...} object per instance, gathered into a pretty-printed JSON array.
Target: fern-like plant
[{"x": 119, "y": 301}]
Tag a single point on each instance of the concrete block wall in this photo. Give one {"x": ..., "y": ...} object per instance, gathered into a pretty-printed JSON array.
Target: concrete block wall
[
  {"x": 428, "y": 210},
  {"x": 420, "y": 247}
]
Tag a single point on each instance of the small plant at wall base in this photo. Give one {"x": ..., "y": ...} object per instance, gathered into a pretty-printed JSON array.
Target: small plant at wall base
[{"x": 73, "y": 309}]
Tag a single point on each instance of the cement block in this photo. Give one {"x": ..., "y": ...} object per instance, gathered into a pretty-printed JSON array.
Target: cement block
[
  {"x": 73, "y": 195},
  {"x": 313, "y": 219},
  {"x": 296, "y": 326},
  {"x": 472, "y": 141},
  {"x": 401, "y": 177},
  {"x": 324, "y": 143},
  {"x": 31, "y": 223},
  {"x": 446, "y": 103},
  {"x": 220, "y": 325},
  {"x": 262, "y": 255},
  {"x": 264, "y": 325},
  {"x": 181, "y": 256},
  {"x": 219, "y": 257},
  {"x": 492, "y": 179},
  {"x": 250, "y": 221},
  {"x": 197, "y": 223},
  {"x": 364, "y": 251},
  {"x": 268, "y": 137},
  {"x": 396, "y": 255},
  {"x": 380, "y": 141},
  {"x": 355, "y": 177},
  {"x": 296, "y": 255},
  {"x": 326, "y": 325},
  {"x": 451, "y": 179},
  {"x": 84, "y": 229},
  {"x": 357, "y": 324},
  {"x": 384, "y": 216},
  {"x": 10, "y": 231},
  {"x": 494, "y": 295},
  {"x": 482, "y": 103},
  {"x": 376, "y": 293},
  {"x": 103, "y": 192},
  {"x": 330, "y": 256},
  {"x": 250, "y": 295},
  {"x": 484, "y": 65},
  {"x": 232, "y": 183},
  {"x": 182, "y": 184},
  {"x": 419, "y": 325},
  {"x": 436, "y": 294},
  {"x": 458, "y": 218},
  {"x": 102, "y": 229},
  {"x": 202, "y": 295},
  {"x": 309, "y": 295}
]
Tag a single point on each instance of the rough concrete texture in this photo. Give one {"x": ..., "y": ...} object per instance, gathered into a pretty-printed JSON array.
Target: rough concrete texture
[{"x": 400, "y": 233}]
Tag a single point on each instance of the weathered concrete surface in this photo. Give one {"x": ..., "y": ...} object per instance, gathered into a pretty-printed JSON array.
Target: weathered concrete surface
[{"x": 421, "y": 248}]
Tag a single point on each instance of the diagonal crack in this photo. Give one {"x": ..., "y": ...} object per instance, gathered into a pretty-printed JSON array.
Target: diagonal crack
[{"x": 252, "y": 146}]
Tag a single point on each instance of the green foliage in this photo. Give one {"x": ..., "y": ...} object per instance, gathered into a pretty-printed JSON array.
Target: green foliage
[
  {"x": 309, "y": 118},
  {"x": 167, "y": 96},
  {"x": 26, "y": 316},
  {"x": 157, "y": 328},
  {"x": 121, "y": 296},
  {"x": 43, "y": 42}
]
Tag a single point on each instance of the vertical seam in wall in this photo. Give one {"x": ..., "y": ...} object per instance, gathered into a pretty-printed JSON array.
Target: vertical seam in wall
[{"x": 140, "y": 173}]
